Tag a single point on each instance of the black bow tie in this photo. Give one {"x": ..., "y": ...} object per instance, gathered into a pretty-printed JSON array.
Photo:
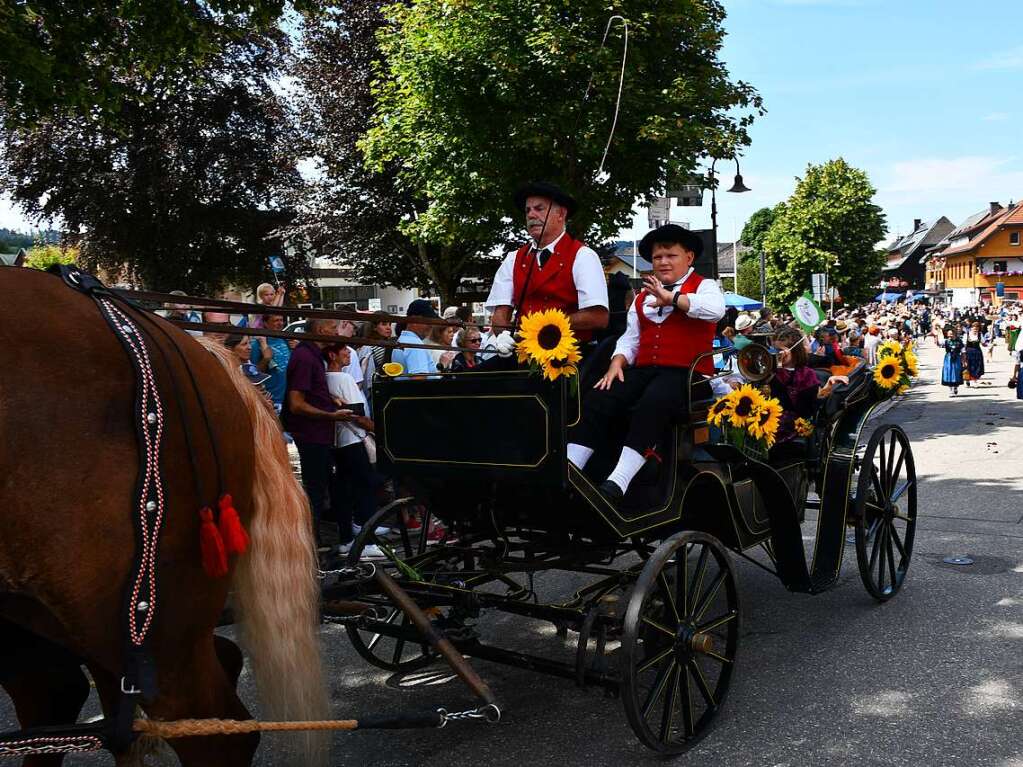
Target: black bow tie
[{"x": 670, "y": 289}]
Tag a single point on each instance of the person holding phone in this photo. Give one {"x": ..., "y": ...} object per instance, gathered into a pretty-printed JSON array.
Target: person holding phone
[{"x": 353, "y": 491}]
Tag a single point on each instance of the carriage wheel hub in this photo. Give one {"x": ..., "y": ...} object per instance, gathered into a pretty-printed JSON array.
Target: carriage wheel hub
[{"x": 688, "y": 642}]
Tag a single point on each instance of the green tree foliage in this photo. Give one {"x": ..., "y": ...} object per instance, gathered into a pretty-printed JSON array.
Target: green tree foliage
[
  {"x": 754, "y": 232},
  {"x": 12, "y": 242},
  {"x": 748, "y": 277},
  {"x": 183, "y": 192},
  {"x": 346, "y": 211},
  {"x": 84, "y": 56},
  {"x": 830, "y": 218},
  {"x": 42, "y": 257},
  {"x": 474, "y": 97}
]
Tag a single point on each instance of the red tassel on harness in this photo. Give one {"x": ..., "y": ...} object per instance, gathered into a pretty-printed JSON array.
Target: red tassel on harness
[
  {"x": 236, "y": 540},
  {"x": 214, "y": 558}
]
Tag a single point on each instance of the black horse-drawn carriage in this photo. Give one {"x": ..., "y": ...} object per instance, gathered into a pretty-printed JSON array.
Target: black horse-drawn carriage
[{"x": 658, "y": 615}]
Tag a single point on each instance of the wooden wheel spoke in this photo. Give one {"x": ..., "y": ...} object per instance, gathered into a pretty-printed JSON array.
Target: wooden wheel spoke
[
  {"x": 891, "y": 554},
  {"x": 875, "y": 480},
  {"x": 687, "y": 703},
  {"x": 682, "y": 576},
  {"x": 701, "y": 684},
  {"x": 649, "y": 663},
  {"x": 901, "y": 489},
  {"x": 710, "y": 625},
  {"x": 701, "y": 569},
  {"x": 663, "y": 629},
  {"x": 898, "y": 467},
  {"x": 717, "y": 656},
  {"x": 424, "y": 530},
  {"x": 708, "y": 596},
  {"x": 668, "y": 712},
  {"x": 882, "y": 534},
  {"x": 662, "y": 581},
  {"x": 875, "y": 546},
  {"x": 899, "y": 545},
  {"x": 658, "y": 689},
  {"x": 882, "y": 463},
  {"x": 891, "y": 460}
]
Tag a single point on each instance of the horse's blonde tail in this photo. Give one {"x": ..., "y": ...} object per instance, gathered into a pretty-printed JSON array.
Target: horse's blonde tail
[{"x": 275, "y": 581}]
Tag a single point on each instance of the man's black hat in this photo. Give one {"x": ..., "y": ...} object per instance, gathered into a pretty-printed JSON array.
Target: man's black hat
[
  {"x": 545, "y": 189},
  {"x": 421, "y": 308},
  {"x": 671, "y": 234}
]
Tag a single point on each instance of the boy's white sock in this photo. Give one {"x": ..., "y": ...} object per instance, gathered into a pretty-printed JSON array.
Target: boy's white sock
[
  {"x": 579, "y": 454},
  {"x": 629, "y": 464}
]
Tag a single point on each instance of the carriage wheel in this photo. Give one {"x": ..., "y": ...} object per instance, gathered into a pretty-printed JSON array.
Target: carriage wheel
[
  {"x": 885, "y": 511},
  {"x": 679, "y": 642},
  {"x": 383, "y": 651}
]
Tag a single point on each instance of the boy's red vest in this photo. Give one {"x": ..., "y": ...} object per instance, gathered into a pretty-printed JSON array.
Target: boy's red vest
[
  {"x": 677, "y": 341},
  {"x": 552, "y": 287}
]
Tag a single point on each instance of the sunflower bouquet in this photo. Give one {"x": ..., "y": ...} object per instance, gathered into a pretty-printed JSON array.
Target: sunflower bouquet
[
  {"x": 748, "y": 420},
  {"x": 547, "y": 344},
  {"x": 896, "y": 366}
]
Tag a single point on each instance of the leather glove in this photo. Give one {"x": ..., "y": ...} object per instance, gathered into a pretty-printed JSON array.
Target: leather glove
[{"x": 505, "y": 344}]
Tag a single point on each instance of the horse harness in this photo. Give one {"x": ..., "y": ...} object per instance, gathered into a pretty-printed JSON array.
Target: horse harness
[{"x": 138, "y": 679}]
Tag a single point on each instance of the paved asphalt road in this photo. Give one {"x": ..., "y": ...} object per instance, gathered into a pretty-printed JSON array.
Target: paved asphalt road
[{"x": 935, "y": 677}]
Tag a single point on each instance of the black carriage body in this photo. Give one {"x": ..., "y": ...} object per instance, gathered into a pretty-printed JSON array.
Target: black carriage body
[{"x": 486, "y": 453}]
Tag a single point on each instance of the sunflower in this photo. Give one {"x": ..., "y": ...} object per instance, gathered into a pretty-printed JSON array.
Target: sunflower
[
  {"x": 721, "y": 410},
  {"x": 803, "y": 427},
  {"x": 888, "y": 372},
  {"x": 554, "y": 369},
  {"x": 911, "y": 363},
  {"x": 889, "y": 349},
  {"x": 545, "y": 336},
  {"x": 747, "y": 400},
  {"x": 393, "y": 369},
  {"x": 902, "y": 389},
  {"x": 764, "y": 424}
]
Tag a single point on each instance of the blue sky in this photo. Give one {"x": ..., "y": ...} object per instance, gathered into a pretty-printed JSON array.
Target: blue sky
[{"x": 925, "y": 95}]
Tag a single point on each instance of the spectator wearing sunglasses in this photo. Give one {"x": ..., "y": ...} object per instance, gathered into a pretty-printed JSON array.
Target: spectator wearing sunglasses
[{"x": 467, "y": 338}]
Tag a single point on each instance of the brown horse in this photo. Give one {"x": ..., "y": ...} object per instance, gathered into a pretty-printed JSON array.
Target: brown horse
[{"x": 69, "y": 458}]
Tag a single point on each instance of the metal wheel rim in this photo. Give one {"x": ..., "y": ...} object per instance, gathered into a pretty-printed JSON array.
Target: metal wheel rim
[
  {"x": 685, "y": 689},
  {"x": 886, "y": 512}
]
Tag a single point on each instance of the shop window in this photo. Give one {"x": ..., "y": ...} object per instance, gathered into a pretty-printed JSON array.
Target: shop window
[{"x": 1014, "y": 238}]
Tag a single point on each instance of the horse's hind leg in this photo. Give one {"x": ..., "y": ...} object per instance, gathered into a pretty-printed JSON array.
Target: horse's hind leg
[
  {"x": 198, "y": 685},
  {"x": 45, "y": 682}
]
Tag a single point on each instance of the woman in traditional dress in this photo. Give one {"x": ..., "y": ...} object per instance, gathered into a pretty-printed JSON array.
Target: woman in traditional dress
[
  {"x": 952, "y": 369},
  {"x": 1016, "y": 374},
  {"x": 974, "y": 356}
]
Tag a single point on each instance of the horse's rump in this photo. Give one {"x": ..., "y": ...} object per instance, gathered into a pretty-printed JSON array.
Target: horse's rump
[{"x": 69, "y": 462}]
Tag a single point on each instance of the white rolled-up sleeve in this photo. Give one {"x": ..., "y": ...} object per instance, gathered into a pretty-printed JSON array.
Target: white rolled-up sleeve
[
  {"x": 707, "y": 303},
  {"x": 628, "y": 344},
  {"x": 501, "y": 290},
  {"x": 590, "y": 282}
]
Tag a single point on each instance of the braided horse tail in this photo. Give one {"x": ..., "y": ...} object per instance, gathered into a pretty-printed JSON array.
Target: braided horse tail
[{"x": 275, "y": 580}]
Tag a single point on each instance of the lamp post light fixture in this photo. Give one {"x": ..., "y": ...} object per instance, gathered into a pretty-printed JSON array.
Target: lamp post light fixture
[{"x": 737, "y": 187}]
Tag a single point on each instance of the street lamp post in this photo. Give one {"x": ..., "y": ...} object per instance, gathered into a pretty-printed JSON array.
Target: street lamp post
[{"x": 737, "y": 188}]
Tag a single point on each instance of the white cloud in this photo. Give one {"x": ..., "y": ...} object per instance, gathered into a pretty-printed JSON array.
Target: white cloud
[
  {"x": 995, "y": 116},
  {"x": 1009, "y": 59},
  {"x": 969, "y": 174}
]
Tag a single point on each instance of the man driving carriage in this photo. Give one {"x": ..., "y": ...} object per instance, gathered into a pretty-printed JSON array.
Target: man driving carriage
[
  {"x": 552, "y": 270},
  {"x": 670, "y": 324}
]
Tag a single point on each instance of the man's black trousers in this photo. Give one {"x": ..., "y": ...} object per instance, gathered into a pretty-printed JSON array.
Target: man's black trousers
[{"x": 656, "y": 396}]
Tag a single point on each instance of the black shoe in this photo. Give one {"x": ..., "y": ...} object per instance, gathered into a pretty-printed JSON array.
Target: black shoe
[{"x": 611, "y": 492}]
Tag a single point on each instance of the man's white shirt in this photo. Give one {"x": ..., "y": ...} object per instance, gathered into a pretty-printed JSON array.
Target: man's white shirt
[
  {"x": 707, "y": 303},
  {"x": 587, "y": 273}
]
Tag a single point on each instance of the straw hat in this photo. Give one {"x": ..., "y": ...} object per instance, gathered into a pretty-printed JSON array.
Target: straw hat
[{"x": 744, "y": 322}]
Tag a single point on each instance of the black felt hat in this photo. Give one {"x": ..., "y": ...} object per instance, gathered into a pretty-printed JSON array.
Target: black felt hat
[
  {"x": 545, "y": 189},
  {"x": 671, "y": 234}
]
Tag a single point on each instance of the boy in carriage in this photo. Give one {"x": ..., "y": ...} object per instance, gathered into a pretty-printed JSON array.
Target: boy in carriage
[{"x": 671, "y": 323}]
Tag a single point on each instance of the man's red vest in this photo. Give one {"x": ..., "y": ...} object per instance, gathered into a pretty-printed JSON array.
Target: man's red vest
[
  {"x": 552, "y": 287},
  {"x": 677, "y": 341}
]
